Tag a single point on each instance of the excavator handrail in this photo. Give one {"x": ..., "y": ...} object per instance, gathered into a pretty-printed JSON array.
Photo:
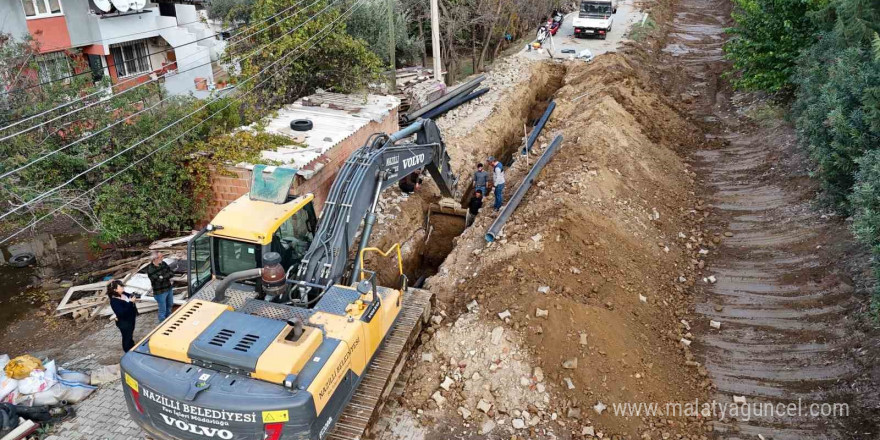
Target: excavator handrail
[{"x": 396, "y": 246}]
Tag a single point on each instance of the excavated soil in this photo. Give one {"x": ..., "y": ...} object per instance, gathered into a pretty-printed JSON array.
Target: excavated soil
[
  {"x": 600, "y": 248},
  {"x": 666, "y": 209}
]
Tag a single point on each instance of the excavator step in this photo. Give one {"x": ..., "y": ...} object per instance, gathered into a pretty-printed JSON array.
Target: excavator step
[{"x": 369, "y": 398}]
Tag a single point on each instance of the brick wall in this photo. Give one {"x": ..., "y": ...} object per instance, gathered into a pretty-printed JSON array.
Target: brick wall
[{"x": 226, "y": 188}]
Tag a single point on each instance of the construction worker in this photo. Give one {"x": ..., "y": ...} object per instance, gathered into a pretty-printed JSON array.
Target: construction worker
[
  {"x": 481, "y": 179},
  {"x": 474, "y": 206},
  {"x": 497, "y": 181},
  {"x": 160, "y": 277},
  {"x": 411, "y": 183}
]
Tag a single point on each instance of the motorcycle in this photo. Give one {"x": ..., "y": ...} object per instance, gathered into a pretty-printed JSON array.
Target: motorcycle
[{"x": 555, "y": 22}]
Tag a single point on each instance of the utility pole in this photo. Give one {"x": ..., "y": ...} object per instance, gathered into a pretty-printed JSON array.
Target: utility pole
[
  {"x": 392, "y": 45},
  {"x": 435, "y": 40}
]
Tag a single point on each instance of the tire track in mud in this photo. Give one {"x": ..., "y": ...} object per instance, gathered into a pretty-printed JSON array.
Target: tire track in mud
[{"x": 780, "y": 293}]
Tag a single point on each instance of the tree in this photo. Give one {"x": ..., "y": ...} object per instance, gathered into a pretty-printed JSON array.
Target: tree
[
  {"x": 231, "y": 11},
  {"x": 766, "y": 39},
  {"x": 319, "y": 54},
  {"x": 370, "y": 24},
  {"x": 836, "y": 107}
]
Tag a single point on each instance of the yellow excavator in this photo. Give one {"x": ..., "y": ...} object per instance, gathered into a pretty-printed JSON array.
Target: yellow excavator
[{"x": 285, "y": 336}]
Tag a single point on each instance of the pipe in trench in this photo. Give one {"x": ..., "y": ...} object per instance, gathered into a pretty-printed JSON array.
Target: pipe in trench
[
  {"x": 517, "y": 197},
  {"x": 533, "y": 136}
]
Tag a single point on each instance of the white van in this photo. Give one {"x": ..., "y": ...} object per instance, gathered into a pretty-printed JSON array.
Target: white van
[{"x": 594, "y": 18}]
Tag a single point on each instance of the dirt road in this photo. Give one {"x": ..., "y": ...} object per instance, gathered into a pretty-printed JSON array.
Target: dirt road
[{"x": 783, "y": 296}]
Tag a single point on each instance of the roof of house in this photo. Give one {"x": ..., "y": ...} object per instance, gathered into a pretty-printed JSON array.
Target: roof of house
[{"x": 335, "y": 117}]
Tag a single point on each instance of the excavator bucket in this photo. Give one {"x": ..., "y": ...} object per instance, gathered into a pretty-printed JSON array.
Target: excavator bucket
[{"x": 448, "y": 206}]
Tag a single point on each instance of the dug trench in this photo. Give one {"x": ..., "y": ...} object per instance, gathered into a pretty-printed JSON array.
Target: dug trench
[{"x": 577, "y": 308}]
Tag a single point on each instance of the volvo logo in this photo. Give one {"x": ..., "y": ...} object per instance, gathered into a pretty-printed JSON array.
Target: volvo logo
[
  {"x": 197, "y": 429},
  {"x": 413, "y": 161}
]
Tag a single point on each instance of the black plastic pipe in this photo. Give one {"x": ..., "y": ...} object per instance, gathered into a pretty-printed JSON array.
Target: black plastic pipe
[
  {"x": 517, "y": 197},
  {"x": 461, "y": 90},
  {"x": 437, "y": 112},
  {"x": 538, "y": 127}
]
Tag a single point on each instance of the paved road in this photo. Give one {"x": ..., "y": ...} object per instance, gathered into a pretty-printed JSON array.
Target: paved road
[
  {"x": 564, "y": 39},
  {"x": 103, "y": 416}
]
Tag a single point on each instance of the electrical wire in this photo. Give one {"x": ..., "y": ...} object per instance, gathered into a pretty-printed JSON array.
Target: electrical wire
[
  {"x": 103, "y": 182},
  {"x": 121, "y": 83},
  {"x": 53, "y": 190},
  {"x": 123, "y": 119}
]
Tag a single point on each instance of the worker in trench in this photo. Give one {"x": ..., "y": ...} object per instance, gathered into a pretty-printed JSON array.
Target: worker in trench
[
  {"x": 481, "y": 179},
  {"x": 411, "y": 183},
  {"x": 497, "y": 182},
  {"x": 474, "y": 206},
  {"x": 123, "y": 305}
]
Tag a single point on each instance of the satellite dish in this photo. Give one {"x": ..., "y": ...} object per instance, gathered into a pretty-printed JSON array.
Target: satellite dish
[
  {"x": 121, "y": 5},
  {"x": 137, "y": 5},
  {"x": 103, "y": 5}
]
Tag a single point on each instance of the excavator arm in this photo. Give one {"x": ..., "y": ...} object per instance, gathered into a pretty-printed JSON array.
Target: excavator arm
[{"x": 383, "y": 161}]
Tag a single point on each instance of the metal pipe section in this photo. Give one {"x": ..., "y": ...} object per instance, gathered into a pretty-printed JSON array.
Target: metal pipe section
[
  {"x": 404, "y": 133},
  {"x": 538, "y": 127},
  {"x": 462, "y": 89},
  {"x": 220, "y": 290},
  {"x": 517, "y": 197},
  {"x": 453, "y": 104}
]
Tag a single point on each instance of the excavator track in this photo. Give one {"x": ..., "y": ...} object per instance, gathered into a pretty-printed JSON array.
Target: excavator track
[{"x": 365, "y": 406}]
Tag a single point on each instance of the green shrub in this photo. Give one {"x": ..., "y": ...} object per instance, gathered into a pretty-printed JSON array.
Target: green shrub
[
  {"x": 865, "y": 200},
  {"x": 766, "y": 39}
]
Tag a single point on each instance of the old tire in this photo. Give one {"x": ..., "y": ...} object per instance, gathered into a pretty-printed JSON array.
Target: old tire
[
  {"x": 23, "y": 259},
  {"x": 301, "y": 125}
]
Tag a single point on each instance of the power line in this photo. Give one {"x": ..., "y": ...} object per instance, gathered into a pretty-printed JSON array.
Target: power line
[
  {"x": 69, "y": 181},
  {"x": 103, "y": 182},
  {"x": 88, "y": 72},
  {"x": 121, "y": 120},
  {"x": 119, "y": 84}
]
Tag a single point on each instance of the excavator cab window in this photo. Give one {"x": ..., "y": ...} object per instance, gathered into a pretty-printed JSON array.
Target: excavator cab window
[
  {"x": 294, "y": 236},
  {"x": 234, "y": 256}
]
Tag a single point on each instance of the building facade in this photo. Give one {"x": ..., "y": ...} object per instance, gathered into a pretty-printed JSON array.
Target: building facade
[{"x": 171, "y": 41}]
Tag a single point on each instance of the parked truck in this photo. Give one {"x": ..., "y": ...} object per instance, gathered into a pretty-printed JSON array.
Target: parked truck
[{"x": 595, "y": 18}]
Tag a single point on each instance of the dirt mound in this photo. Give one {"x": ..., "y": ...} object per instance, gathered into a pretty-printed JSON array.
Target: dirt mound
[{"x": 588, "y": 283}]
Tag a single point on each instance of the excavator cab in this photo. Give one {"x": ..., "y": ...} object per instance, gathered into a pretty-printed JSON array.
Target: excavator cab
[{"x": 248, "y": 228}]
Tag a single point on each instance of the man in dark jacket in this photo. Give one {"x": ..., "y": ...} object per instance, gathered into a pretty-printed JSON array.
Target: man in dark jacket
[
  {"x": 160, "y": 277},
  {"x": 474, "y": 206}
]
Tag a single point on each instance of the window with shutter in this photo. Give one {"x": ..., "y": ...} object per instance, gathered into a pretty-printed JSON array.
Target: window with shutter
[{"x": 41, "y": 8}]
